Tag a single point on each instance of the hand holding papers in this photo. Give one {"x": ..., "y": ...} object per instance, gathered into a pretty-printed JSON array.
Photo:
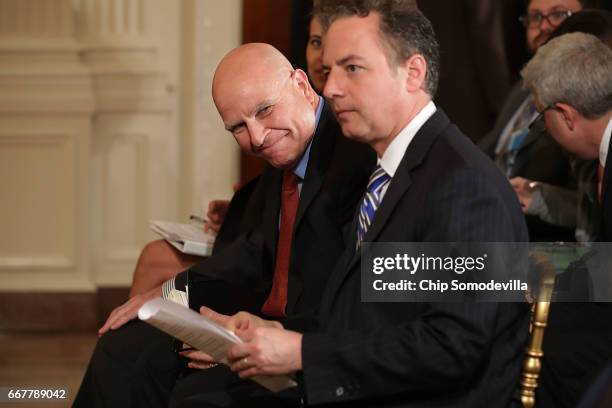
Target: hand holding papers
[{"x": 202, "y": 333}]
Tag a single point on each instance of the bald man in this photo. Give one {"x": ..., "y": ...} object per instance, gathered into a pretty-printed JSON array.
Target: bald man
[{"x": 305, "y": 199}]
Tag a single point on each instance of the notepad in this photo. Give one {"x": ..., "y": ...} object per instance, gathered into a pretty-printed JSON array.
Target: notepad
[{"x": 187, "y": 238}]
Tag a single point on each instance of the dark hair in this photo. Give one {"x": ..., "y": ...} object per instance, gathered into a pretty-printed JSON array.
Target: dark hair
[
  {"x": 595, "y": 22},
  {"x": 586, "y": 4},
  {"x": 405, "y": 31}
]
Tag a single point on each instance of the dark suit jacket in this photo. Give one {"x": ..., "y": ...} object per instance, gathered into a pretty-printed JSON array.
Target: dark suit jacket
[
  {"x": 540, "y": 158},
  {"x": 578, "y": 337},
  {"x": 238, "y": 218},
  {"x": 606, "y": 200},
  {"x": 423, "y": 354},
  {"x": 240, "y": 276}
]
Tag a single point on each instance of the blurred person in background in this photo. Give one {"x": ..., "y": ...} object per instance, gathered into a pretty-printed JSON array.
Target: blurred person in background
[{"x": 572, "y": 86}]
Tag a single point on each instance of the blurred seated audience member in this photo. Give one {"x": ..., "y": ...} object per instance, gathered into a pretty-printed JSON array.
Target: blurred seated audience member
[
  {"x": 531, "y": 153},
  {"x": 572, "y": 85},
  {"x": 557, "y": 205},
  {"x": 314, "y": 55}
]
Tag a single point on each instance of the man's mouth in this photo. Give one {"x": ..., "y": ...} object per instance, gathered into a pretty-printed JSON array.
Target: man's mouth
[
  {"x": 542, "y": 38},
  {"x": 341, "y": 113},
  {"x": 269, "y": 142}
]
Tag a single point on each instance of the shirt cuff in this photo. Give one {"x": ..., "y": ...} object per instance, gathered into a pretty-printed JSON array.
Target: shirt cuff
[
  {"x": 538, "y": 206},
  {"x": 167, "y": 287}
]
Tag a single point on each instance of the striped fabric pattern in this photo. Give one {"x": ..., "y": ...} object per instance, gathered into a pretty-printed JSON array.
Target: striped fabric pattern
[{"x": 371, "y": 201}]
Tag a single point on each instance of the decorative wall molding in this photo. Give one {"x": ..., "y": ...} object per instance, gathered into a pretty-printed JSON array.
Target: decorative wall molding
[
  {"x": 30, "y": 263},
  {"x": 26, "y": 155},
  {"x": 108, "y": 80},
  {"x": 112, "y": 22},
  {"x": 67, "y": 310},
  {"x": 36, "y": 18},
  {"x": 212, "y": 150},
  {"x": 135, "y": 182}
]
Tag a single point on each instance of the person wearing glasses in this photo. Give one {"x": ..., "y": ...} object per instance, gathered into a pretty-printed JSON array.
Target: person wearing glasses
[
  {"x": 549, "y": 202},
  {"x": 529, "y": 156},
  {"x": 571, "y": 82}
]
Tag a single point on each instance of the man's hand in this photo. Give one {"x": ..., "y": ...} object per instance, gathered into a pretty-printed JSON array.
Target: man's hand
[
  {"x": 129, "y": 310},
  {"x": 217, "y": 210},
  {"x": 266, "y": 350},
  {"x": 239, "y": 321},
  {"x": 524, "y": 190},
  {"x": 199, "y": 359}
]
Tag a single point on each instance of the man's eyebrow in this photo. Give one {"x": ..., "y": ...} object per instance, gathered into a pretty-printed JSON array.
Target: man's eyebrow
[
  {"x": 230, "y": 127},
  {"x": 261, "y": 106},
  {"x": 345, "y": 60},
  {"x": 348, "y": 59}
]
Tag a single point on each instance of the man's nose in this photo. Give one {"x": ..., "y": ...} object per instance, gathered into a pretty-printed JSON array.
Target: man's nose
[
  {"x": 332, "y": 87},
  {"x": 257, "y": 134},
  {"x": 545, "y": 25}
]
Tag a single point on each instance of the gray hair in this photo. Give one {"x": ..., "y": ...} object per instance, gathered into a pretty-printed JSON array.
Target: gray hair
[
  {"x": 404, "y": 30},
  {"x": 575, "y": 69}
]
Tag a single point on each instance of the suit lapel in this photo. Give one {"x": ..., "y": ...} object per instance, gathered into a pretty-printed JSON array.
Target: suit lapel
[
  {"x": 605, "y": 183},
  {"x": 413, "y": 157},
  {"x": 605, "y": 226},
  {"x": 321, "y": 151}
]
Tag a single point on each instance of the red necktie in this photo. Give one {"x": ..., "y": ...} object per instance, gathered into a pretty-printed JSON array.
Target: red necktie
[
  {"x": 277, "y": 299},
  {"x": 600, "y": 174}
]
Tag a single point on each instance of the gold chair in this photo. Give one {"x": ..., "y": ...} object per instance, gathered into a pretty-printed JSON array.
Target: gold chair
[{"x": 539, "y": 316}]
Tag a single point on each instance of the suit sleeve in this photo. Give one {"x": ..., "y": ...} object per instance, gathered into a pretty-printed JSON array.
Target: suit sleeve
[
  {"x": 443, "y": 349},
  {"x": 235, "y": 279}
]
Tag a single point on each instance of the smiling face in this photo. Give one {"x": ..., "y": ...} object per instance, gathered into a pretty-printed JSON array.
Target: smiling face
[
  {"x": 268, "y": 107},
  {"x": 372, "y": 100},
  {"x": 314, "y": 55},
  {"x": 538, "y": 35}
]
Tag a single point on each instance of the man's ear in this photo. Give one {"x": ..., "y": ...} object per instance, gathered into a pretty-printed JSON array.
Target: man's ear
[
  {"x": 301, "y": 80},
  {"x": 570, "y": 115},
  {"x": 416, "y": 70}
]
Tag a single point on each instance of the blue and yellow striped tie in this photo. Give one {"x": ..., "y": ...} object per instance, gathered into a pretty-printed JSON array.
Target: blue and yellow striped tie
[{"x": 371, "y": 201}]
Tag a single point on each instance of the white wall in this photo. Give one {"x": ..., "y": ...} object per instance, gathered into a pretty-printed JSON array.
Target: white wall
[{"x": 106, "y": 123}]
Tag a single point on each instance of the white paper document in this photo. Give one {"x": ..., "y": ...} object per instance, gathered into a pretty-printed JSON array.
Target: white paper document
[
  {"x": 203, "y": 334},
  {"x": 187, "y": 238}
]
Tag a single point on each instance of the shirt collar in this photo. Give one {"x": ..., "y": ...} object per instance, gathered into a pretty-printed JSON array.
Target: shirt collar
[
  {"x": 300, "y": 169},
  {"x": 395, "y": 151},
  {"x": 605, "y": 144}
]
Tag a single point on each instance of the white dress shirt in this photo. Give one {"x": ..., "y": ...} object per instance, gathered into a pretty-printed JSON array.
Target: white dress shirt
[{"x": 397, "y": 148}]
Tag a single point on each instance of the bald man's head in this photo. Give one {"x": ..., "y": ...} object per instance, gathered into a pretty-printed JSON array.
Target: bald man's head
[
  {"x": 255, "y": 61},
  {"x": 267, "y": 105}
]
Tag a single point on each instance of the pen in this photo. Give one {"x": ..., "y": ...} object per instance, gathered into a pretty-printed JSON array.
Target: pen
[
  {"x": 198, "y": 219},
  {"x": 185, "y": 349}
]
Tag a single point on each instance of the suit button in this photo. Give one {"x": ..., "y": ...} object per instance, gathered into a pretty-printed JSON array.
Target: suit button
[{"x": 339, "y": 391}]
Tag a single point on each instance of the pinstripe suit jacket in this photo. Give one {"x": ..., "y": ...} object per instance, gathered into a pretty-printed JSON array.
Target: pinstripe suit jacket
[{"x": 423, "y": 354}]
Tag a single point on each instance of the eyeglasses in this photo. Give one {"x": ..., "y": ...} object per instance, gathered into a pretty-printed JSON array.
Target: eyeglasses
[
  {"x": 533, "y": 20},
  {"x": 540, "y": 116}
]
